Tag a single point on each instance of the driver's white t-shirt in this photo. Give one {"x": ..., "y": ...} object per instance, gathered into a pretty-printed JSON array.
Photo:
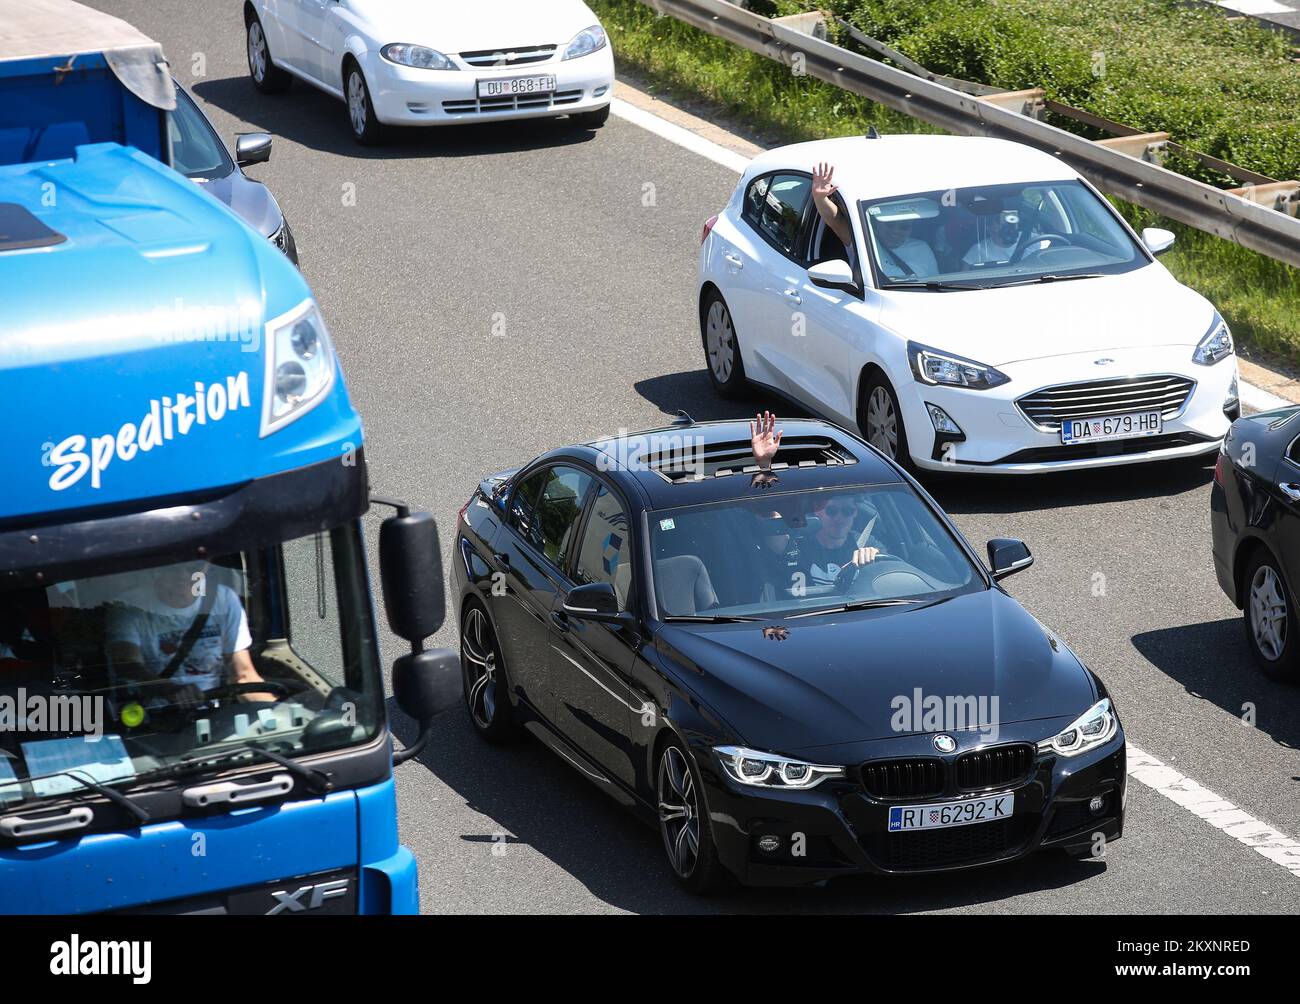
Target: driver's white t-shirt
[
  {"x": 989, "y": 250},
  {"x": 141, "y": 619}
]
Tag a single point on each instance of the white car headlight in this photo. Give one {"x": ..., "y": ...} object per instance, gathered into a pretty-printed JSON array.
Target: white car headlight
[
  {"x": 419, "y": 56},
  {"x": 586, "y": 42},
  {"x": 1091, "y": 729},
  {"x": 934, "y": 367},
  {"x": 767, "y": 770},
  {"x": 299, "y": 366},
  {"x": 1216, "y": 345}
]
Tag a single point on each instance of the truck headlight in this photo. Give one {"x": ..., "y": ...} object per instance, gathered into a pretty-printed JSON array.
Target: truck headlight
[
  {"x": 1091, "y": 729},
  {"x": 934, "y": 367},
  {"x": 586, "y": 42},
  {"x": 419, "y": 56},
  {"x": 1216, "y": 345},
  {"x": 767, "y": 770},
  {"x": 299, "y": 366}
]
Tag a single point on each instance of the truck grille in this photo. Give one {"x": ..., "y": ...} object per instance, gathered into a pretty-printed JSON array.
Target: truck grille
[
  {"x": 512, "y": 102},
  {"x": 898, "y": 779},
  {"x": 509, "y": 57},
  {"x": 997, "y": 767},
  {"x": 1048, "y": 407}
]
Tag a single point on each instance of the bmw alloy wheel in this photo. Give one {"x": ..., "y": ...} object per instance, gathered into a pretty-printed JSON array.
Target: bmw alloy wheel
[
  {"x": 478, "y": 656},
  {"x": 679, "y": 812}
]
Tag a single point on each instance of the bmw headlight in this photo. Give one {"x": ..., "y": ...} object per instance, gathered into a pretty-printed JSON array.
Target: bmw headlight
[
  {"x": 1093, "y": 728},
  {"x": 586, "y": 42},
  {"x": 299, "y": 366},
  {"x": 1216, "y": 345},
  {"x": 934, "y": 367},
  {"x": 419, "y": 56},
  {"x": 767, "y": 770}
]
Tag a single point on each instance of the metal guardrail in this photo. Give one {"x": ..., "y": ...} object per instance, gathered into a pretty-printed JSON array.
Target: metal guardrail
[{"x": 1243, "y": 221}]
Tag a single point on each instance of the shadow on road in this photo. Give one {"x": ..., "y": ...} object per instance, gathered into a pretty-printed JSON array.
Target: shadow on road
[
  {"x": 539, "y": 801},
  {"x": 316, "y": 120},
  {"x": 1212, "y": 662},
  {"x": 692, "y": 392}
]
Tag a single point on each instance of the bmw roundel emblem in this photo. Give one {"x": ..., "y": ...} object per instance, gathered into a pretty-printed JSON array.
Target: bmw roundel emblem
[{"x": 945, "y": 744}]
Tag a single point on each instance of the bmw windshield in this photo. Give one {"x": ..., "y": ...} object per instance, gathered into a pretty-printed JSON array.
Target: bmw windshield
[
  {"x": 114, "y": 677},
  {"x": 996, "y": 235},
  {"x": 799, "y": 552}
]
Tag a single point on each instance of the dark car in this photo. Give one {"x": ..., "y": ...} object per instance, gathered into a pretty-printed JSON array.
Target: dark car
[
  {"x": 691, "y": 634},
  {"x": 1255, "y": 521},
  {"x": 199, "y": 153}
]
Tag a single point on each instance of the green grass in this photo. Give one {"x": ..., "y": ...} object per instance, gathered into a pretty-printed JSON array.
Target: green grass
[{"x": 1224, "y": 88}]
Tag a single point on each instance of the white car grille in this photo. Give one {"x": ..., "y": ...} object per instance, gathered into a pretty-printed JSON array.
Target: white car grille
[
  {"x": 512, "y": 102},
  {"x": 509, "y": 57},
  {"x": 1047, "y": 408}
]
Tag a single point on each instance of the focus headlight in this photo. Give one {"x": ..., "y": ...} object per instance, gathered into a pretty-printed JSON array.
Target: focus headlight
[
  {"x": 1094, "y": 727},
  {"x": 586, "y": 42},
  {"x": 934, "y": 367},
  {"x": 299, "y": 366},
  {"x": 419, "y": 56},
  {"x": 767, "y": 770},
  {"x": 1216, "y": 345}
]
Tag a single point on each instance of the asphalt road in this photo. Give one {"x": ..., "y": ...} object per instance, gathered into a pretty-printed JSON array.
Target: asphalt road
[{"x": 497, "y": 291}]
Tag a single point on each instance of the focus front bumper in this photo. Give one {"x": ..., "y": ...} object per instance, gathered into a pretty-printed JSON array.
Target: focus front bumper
[
  {"x": 404, "y": 95},
  {"x": 838, "y": 829},
  {"x": 998, "y": 437}
]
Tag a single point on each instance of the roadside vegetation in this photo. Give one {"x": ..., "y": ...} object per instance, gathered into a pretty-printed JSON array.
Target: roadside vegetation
[{"x": 1226, "y": 88}]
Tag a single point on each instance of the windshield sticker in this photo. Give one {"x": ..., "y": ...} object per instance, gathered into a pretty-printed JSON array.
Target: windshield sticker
[
  {"x": 666, "y": 524},
  {"x": 166, "y": 418}
]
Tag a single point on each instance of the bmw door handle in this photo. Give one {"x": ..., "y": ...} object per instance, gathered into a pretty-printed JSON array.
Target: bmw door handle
[
  {"x": 1290, "y": 490},
  {"x": 793, "y": 296},
  {"x": 560, "y": 619},
  {"x": 733, "y": 260}
]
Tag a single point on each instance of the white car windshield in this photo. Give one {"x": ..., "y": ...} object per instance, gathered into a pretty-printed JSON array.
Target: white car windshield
[{"x": 995, "y": 235}]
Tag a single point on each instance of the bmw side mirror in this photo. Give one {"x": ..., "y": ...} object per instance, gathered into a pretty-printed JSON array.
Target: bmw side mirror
[
  {"x": 1157, "y": 241},
  {"x": 595, "y": 601},
  {"x": 1008, "y": 556},
  {"x": 832, "y": 275},
  {"x": 252, "y": 148}
]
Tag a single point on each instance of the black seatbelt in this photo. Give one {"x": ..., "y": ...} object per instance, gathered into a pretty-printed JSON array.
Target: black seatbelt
[
  {"x": 902, "y": 264},
  {"x": 190, "y": 637}
]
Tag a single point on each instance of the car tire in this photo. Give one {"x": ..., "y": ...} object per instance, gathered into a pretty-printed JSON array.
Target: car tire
[
  {"x": 1269, "y": 613},
  {"x": 591, "y": 120},
  {"x": 684, "y": 822},
  {"x": 483, "y": 679},
  {"x": 366, "y": 127},
  {"x": 266, "y": 76},
  {"x": 881, "y": 422},
  {"x": 721, "y": 346}
]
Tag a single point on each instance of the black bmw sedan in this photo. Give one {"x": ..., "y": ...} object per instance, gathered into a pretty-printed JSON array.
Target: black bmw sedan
[
  {"x": 1255, "y": 522},
  {"x": 796, "y": 671}
]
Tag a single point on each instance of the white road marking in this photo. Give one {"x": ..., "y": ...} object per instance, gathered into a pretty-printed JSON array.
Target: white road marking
[
  {"x": 1255, "y": 6},
  {"x": 1215, "y": 810}
]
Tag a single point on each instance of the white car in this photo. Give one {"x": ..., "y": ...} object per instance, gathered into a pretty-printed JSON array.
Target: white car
[
  {"x": 992, "y": 313},
  {"x": 413, "y": 64}
]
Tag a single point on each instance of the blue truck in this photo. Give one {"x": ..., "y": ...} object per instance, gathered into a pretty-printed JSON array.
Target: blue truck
[{"x": 192, "y": 708}]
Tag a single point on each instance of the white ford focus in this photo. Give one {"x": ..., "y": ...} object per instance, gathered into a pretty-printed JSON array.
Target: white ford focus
[
  {"x": 397, "y": 63},
  {"x": 991, "y": 311}
]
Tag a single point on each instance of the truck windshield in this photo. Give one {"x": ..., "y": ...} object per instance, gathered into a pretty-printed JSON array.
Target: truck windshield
[{"x": 115, "y": 676}]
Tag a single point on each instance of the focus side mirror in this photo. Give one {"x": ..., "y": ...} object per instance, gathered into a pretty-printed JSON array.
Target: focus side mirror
[
  {"x": 1157, "y": 241},
  {"x": 595, "y": 601},
  {"x": 252, "y": 148},
  {"x": 832, "y": 275},
  {"x": 1008, "y": 556},
  {"x": 410, "y": 566}
]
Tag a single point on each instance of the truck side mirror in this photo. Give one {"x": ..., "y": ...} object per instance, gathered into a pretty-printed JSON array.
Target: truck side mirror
[
  {"x": 410, "y": 567},
  {"x": 427, "y": 683}
]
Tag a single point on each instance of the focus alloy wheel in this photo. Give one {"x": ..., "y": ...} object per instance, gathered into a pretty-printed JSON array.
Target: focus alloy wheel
[
  {"x": 882, "y": 422},
  {"x": 720, "y": 338}
]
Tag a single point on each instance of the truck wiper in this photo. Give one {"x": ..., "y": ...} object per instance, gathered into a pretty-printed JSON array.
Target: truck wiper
[
  {"x": 855, "y": 605},
  {"x": 116, "y": 797},
  {"x": 935, "y": 286},
  {"x": 317, "y": 781}
]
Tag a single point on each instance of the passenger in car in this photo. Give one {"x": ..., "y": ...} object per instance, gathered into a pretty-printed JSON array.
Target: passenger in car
[{"x": 822, "y": 191}]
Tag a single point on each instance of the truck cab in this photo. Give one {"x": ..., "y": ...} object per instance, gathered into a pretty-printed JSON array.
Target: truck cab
[{"x": 192, "y": 714}]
